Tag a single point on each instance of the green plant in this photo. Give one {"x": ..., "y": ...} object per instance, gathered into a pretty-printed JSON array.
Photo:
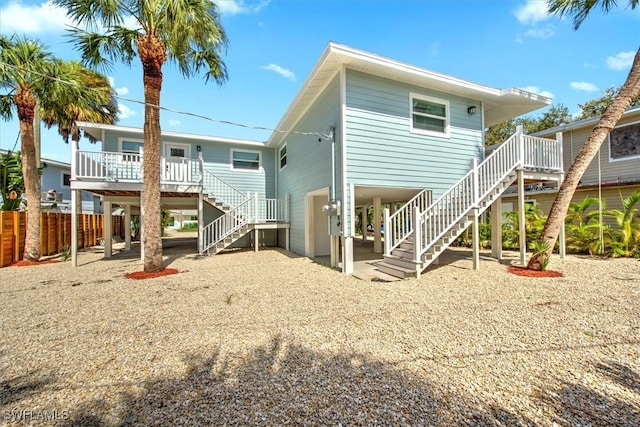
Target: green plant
[
  {"x": 541, "y": 249},
  {"x": 627, "y": 235},
  {"x": 66, "y": 253},
  {"x": 534, "y": 221}
]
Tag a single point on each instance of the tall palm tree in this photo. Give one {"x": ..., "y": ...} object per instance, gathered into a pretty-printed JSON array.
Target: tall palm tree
[
  {"x": 97, "y": 105},
  {"x": 580, "y": 9},
  {"x": 187, "y": 32},
  {"x": 26, "y": 68}
]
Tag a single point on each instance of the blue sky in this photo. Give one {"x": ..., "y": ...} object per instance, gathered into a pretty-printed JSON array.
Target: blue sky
[{"x": 274, "y": 44}]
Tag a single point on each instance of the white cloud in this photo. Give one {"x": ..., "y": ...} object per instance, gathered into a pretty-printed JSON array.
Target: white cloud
[
  {"x": 174, "y": 123},
  {"x": 288, "y": 74},
  {"x": 32, "y": 19},
  {"x": 621, "y": 61},
  {"x": 541, "y": 33},
  {"x": 583, "y": 86},
  {"x": 119, "y": 90},
  {"x": 124, "y": 112},
  {"x": 531, "y": 12},
  {"x": 236, "y": 7},
  {"x": 536, "y": 89}
]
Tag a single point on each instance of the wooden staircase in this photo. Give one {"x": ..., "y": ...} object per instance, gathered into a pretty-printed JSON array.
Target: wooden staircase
[{"x": 416, "y": 237}]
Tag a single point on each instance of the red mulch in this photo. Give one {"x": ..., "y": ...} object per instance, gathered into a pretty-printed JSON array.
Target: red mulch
[
  {"x": 526, "y": 272},
  {"x": 139, "y": 275},
  {"x": 26, "y": 263}
]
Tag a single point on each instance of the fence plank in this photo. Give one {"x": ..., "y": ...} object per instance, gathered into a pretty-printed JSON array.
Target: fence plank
[{"x": 55, "y": 233}]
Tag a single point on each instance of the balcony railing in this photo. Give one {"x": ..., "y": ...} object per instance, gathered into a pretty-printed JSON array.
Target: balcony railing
[{"x": 127, "y": 167}]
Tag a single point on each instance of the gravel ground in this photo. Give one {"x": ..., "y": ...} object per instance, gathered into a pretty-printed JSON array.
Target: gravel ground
[{"x": 270, "y": 338}]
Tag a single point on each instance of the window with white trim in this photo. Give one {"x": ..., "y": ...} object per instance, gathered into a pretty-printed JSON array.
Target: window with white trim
[
  {"x": 245, "y": 160},
  {"x": 624, "y": 142},
  {"x": 66, "y": 179},
  {"x": 429, "y": 116},
  {"x": 283, "y": 156},
  {"x": 131, "y": 147}
]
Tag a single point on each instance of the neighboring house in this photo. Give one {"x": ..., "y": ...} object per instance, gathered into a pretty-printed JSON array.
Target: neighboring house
[
  {"x": 363, "y": 130},
  {"x": 56, "y": 188},
  {"x": 615, "y": 170}
]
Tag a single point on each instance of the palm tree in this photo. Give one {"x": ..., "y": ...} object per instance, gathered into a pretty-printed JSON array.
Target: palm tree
[
  {"x": 97, "y": 105},
  {"x": 585, "y": 233},
  {"x": 580, "y": 9},
  {"x": 187, "y": 32},
  {"x": 25, "y": 72}
]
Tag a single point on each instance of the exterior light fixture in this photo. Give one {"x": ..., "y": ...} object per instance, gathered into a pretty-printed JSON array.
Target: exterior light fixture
[{"x": 471, "y": 110}]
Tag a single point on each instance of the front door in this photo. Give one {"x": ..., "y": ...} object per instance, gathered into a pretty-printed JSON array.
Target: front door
[{"x": 176, "y": 162}]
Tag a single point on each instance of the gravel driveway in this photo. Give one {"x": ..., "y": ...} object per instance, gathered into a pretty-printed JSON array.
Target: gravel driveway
[{"x": 270, "y": 338}]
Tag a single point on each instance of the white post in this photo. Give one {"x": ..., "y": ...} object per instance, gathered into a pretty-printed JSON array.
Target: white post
[
  {"x": 522, "y": 218},
  {"x": 200, "y": 222},
  {"x": 74, "y": 226},
  {"x": 377, "y": 235},
  {"x": 520, "y": 133},
  {"x": 141, "y": 223},
  {"x": 363, "y": 221},
  {"x": 347, "y": 255},
  {"x": 256, "y": 239},
  {"x": 388, "y": 233},
  {"x": 496, "y": 229},
  {"x": 417, "y": 235},
  {"x": 476, "y": 239},
  {"x": 108, "y": 229},
  {"x": 563, "y": 240},
  {"x": 127, "y": 227},
  {"x": 257, "y": 207},
  {"x": 286, "y": 212},
  {"x": 476, "y": 183}
]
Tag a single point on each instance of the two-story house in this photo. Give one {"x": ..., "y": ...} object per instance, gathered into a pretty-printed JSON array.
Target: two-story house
[{"x": 363, "y": 130}]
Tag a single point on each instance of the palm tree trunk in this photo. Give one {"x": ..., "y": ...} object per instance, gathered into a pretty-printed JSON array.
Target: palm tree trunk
[
  {"x": 628, "y": 92},
  {"x": 26, "y": 104},
  {"x": 152, "y": 54}
]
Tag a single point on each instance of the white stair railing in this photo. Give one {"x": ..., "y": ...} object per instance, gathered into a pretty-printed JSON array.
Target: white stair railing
[
  {"x": 221, "y": 190},
  {"x": 225, "y": 225},
  {"x": 519, "y": 151},
  {"x": 399, "y": 225}
]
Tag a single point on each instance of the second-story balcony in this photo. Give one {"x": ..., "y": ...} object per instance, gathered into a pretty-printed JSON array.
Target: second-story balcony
[{"x": 126, "y": 168}]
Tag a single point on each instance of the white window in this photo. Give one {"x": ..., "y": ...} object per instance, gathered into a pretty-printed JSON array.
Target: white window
[
  {"x": 624, "y": 142},
  {"x": 245, "y": 160},
  {"x": 130, "y": 146},
  {"x": 283, "y": 156},
  {"x": 429, "y": 116}
]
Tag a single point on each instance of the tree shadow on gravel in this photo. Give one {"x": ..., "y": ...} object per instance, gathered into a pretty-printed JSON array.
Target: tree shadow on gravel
[
  {"x": 21, "y": 387},
  {"x": 576, "y": 404},
  {"x": 285, "y": 383}
]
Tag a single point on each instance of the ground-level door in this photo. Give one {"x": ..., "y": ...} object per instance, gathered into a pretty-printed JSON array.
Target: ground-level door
[
  {"x": 317, "y": 238},
  {"x": 175, "y": 162}
]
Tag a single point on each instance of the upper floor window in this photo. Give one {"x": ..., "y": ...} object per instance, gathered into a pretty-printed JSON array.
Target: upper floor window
[
  {"x": 624, "y": 142},
  {"x": 245, "y": 160},
  {"x": 429, "y": 116},
  {"x": 131, "y": 147},
  {"x": 66, "y": 179},
  {"x": 283, "y": 156}
]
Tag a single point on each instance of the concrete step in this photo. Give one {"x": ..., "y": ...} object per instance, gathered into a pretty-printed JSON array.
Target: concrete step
[
  {"x": 395, "y": 270},
  {"x": 401, "y": 262}
]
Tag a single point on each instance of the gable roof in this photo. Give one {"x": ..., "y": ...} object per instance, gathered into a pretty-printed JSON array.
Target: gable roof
[
  {"x": 96, "y": 131},
  {"x": 58, "y": 163},
  {"x": 591, "y": 121},
  {"x": 499, "y": 104}
]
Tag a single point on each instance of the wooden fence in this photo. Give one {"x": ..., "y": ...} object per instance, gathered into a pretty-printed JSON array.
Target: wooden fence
[{"x": 55, "y": 233}]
